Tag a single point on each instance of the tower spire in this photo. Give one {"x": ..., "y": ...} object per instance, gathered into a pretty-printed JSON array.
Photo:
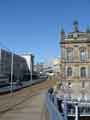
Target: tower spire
[
  {"x": 75, "y": 26},
  {"x": 62, "y": 33},
  {"x": 88, "y": 29}
]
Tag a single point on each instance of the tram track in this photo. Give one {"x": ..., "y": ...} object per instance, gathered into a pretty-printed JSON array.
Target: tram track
[
  {"x": 22, "y": 101},
  {"x": 22, "y": 96}
]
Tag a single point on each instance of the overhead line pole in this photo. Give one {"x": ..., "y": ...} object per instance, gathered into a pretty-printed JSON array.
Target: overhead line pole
[
  {"x": 31, "y": 69},
  {"x": 31, "y": 72},
  {"x": 11, "y": 83}
]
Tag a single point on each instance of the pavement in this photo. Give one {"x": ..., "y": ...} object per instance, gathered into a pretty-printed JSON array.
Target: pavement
[{"x": 31, "y": 109}]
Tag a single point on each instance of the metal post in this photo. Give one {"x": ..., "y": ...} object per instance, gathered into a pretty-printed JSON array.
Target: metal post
[
  {"x": 11, "y": 84},
  {"x": 31, "y": 69},
  {"x": 65, "y": 108},
  {"x": 76, "y": 112}
]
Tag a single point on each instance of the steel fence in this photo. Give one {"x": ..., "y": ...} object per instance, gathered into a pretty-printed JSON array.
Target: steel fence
[{"x": 54, "y": 114}]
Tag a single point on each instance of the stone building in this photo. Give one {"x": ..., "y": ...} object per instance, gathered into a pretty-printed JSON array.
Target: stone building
[{"x": 75, "y": 54}]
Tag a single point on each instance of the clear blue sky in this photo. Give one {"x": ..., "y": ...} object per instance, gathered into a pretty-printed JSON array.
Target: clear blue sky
[{"x": 34, "y": 25}]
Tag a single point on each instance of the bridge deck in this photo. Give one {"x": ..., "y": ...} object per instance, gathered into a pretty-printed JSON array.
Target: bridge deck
[
  {"x": 31, "y": 109},
  {"x": 26, "y": 104}
]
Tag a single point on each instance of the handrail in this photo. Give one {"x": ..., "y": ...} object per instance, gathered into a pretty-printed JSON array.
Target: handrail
[{"x": 54, "y": 114}]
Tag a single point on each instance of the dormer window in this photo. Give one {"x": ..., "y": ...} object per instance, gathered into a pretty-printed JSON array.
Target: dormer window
[
  {"x": 70, "y": 36},
  {"x": 75, "y": 35}
]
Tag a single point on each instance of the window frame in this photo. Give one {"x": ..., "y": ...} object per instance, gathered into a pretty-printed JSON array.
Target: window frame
[
  {"x": 69, "y": 71},
  {"x": 82, "y": 54},
  {"x": 83, "y": 72},
  {"x": 69, "y": 54}
]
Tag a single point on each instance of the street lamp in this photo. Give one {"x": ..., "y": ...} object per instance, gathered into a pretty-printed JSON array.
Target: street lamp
[
  {"x": 11, "y": 82},
  {"x": 31, "y": 72},
  {"x": 31, "y": 68}
]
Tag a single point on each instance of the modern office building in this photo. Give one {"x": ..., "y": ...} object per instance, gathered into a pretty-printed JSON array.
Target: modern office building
[
  {"x": 29, "y": 60},
  {"x": 11, "y": 63}
]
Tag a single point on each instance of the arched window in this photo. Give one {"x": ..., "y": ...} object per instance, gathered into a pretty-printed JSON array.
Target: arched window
[
  {"x": 69, "y": 71},
  {"x": 69, "y": 54},
  {"x": 83, "y": 72},
  {"x": 82, "y": 54}
]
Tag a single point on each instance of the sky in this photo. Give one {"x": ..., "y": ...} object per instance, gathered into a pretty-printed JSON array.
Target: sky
[{"x": 33, "y": 26}]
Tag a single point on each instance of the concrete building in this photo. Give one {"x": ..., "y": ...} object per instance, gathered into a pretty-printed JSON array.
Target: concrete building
[{"x": 75, "y": 54}]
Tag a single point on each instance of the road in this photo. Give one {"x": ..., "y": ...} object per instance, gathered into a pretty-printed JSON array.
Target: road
[{"x": 26, "y": 104}]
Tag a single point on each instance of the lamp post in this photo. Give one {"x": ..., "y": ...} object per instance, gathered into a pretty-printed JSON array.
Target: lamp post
[
  {"x": 31, "y": 69},
  {"x": 11, "y": 82}
]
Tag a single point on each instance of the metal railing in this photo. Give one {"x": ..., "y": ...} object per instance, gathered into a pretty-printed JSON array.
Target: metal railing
[{"x": 54, "y": 114}]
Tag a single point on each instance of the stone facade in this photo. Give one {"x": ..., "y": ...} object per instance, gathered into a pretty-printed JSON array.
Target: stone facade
[{"x": 75, "y": 54}]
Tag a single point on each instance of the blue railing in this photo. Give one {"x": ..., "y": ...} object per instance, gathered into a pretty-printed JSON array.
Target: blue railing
[{"x": 54, "y": 114}]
